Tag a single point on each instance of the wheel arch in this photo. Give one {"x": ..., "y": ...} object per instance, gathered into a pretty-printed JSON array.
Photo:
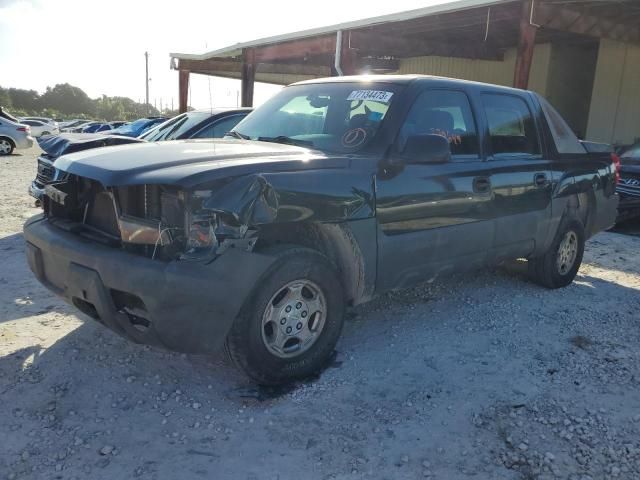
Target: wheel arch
[
  {"x": 350, "y": 246},
  {"x": 6, "y": 137}
]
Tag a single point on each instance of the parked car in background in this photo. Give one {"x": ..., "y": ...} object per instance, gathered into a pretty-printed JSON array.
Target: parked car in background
[
  {"x": 214, "y": 123},
  {"x": 76, "y": 124},
  {"x": 136, "y": 128},
  {"x": 97, "y": 127},
  {"x": 39, "y": 129},
  {"x": 71, "y": 123},
  {"x": 13, "y": 134},
  {"x": 54, "y": 147},
  {"x": 196, "y": 124},
  {"x": 332, "y": 192},
  {"x": 117, "y": 124},
  {"x": 629, "y": 185},
  {"x": 49, "y": 121}
]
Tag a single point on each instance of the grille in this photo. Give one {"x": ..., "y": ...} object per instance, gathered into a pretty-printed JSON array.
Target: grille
[
  {"x": 629, "y": 186},
  {"x": 47, "y": 173}
]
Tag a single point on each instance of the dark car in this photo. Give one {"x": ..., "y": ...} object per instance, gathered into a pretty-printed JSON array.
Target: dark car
[
  {"x": 330, "y": 193},
  {"x": 97, "y": 127},
  {"x": 56, "y": 146},
  {"x": 136, "y": 128},
  {"x": 629, "y": 185},
  {"x": 214, "y": 123},
  {"x": 81, "y": 128}
]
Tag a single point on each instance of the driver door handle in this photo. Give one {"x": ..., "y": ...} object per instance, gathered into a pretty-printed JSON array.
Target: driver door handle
[{"x": 540, "y": 179}]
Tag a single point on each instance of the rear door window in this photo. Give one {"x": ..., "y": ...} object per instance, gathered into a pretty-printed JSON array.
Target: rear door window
[
  {"x": 447, "y": 113},
  {"x": 512, "y": 129}
]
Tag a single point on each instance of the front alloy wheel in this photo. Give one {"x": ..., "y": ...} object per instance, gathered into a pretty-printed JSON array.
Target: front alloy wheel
[
  {"x": 294, "y": 319},
  {"x": 289, "y": 326}
]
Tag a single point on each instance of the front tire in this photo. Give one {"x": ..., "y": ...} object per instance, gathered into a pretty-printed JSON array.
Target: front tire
[
  {"x": 289, "y": 327},
  {"x": 559, "y": 265}
]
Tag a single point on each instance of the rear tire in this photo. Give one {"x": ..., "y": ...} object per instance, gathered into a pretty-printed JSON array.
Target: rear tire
[
  {"x": 559, "y": 265},
  {"x": 289, "y": 327},
  {"x": 6, "y": 146}
]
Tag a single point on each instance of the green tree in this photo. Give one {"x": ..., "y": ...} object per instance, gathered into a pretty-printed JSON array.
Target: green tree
[
  {"x": 5, "y": 99},
  {"x": 64, "y": 100},
  {"x": 24, "y": 99},
  {"x": 67, "y": 99}
]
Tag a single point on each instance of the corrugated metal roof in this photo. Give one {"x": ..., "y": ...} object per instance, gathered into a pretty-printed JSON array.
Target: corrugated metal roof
[{"x": 235, "y": 50}]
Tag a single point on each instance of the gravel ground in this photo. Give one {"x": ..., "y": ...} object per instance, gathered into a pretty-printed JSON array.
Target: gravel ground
[{"x": 482, "y": 376}]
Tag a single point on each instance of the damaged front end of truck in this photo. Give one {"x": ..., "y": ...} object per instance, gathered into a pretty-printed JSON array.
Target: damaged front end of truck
[{"x": 170, "y": 263}]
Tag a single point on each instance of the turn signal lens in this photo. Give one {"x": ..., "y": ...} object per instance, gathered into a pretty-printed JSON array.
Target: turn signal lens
[{"x": 616, "y": 165}]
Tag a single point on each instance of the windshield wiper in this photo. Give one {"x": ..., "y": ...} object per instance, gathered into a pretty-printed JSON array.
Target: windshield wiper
[
  {"x": 287, "y": 141},
  {"x": 233, "y": 133}
]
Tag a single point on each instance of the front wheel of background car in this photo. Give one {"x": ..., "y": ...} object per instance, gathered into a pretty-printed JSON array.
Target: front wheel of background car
[
  {"x": 6, "y": 146},
  {"x": 44, "y": 134},
  {"x": 289, "y": 327},
  {"x": 559, "y": 265}
]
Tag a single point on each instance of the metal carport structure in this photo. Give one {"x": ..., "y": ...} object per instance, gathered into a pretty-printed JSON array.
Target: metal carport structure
[{"x": 498, "y": 32}]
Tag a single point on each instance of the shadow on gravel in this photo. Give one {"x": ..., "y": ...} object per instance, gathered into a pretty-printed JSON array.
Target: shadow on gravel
[
  {"x": 630, "y": 227},
  {"x": 93, "y": 388},
  {"x": 21, "y": 295}
]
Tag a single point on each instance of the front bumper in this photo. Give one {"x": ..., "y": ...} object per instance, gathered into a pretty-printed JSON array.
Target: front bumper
[
  {"x": 186, "y": 306},
  {"x": 36, "y": 191}
]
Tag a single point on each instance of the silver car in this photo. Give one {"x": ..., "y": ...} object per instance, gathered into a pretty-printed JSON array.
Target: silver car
[{"x": 13, "y": 134}]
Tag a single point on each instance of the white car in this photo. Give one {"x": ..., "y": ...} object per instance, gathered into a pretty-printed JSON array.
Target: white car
[
  {"x": 13, "y": 134},
  {"x": 38, "y": 128},
  {"x": 47, "y": 120},
  {"x": 71, "y": 123}
]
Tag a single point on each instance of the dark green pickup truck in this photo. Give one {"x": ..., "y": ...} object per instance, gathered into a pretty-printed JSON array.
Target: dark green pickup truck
[{"x": 330, "y": 193}]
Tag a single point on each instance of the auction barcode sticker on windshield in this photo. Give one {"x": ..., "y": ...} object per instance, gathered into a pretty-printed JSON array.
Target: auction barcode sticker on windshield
[{"x": 373, "y": 95}]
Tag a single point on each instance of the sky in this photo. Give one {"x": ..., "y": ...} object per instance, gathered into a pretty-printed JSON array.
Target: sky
[{"x": 99, "y": 45}]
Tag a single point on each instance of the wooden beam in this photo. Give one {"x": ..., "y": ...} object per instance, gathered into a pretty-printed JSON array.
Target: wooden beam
[
  {"x": 526, "y": 44},
  {"x": 370, "y": 43},
  {"x": 183, "y": 90},
  {"x": 248, "y": 77},
  {"x": 574, "y": 21},
  {"x": 214, "y": 65},
  {"x": 297, "y": 49},
  {"x": 348, "y": 58}
]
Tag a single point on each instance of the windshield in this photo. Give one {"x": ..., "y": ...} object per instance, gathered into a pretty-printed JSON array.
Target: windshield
[
  {"x": 174, "y": 128},
  {"x": 337, "y": 117},
  {"x": 633, "y": 152}
]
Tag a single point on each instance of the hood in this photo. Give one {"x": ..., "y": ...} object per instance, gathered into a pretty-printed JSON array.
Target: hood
[
  {"x": 57, "y": 145},
  {"x": 630, "y": 165},
  {"x": 188, "y": 163}
]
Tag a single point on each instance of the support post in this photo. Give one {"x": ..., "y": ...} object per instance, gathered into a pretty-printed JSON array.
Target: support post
[
  {"x": 248, "y": 77},
  {"x": 183, "y": 90},
  {"x": 526, "y": 45},
  {"x": 348, "y": 56}
]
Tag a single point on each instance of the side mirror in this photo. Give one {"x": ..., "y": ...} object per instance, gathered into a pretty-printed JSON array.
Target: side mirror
[{"x": 428, "y": 148}]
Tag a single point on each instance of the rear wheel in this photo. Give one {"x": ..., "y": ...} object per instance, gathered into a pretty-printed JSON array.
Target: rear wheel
[
  {"x": 6, "y": 146},
  {"x": 559, "y": 265},
  {"x": 289, "y": 328}
]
